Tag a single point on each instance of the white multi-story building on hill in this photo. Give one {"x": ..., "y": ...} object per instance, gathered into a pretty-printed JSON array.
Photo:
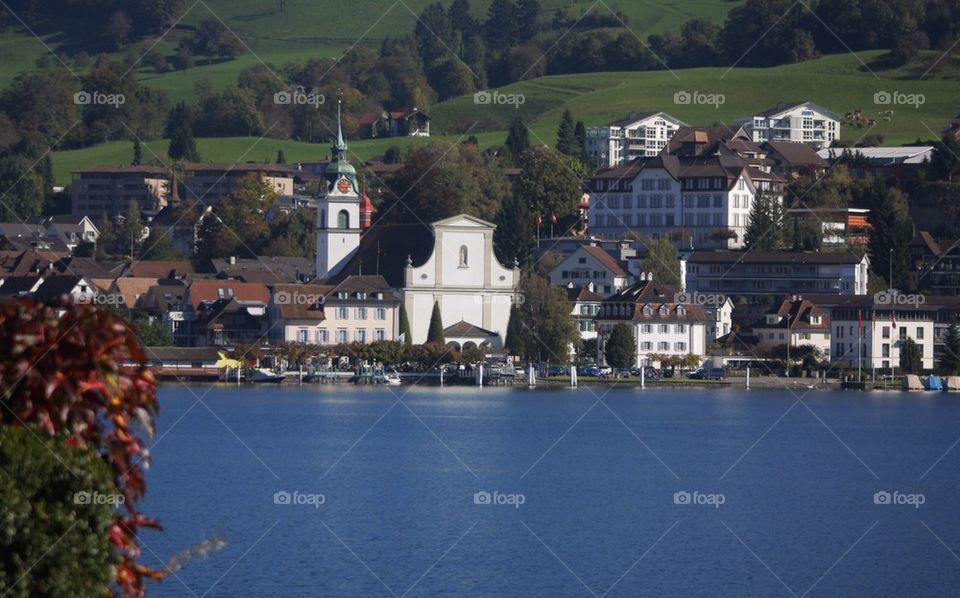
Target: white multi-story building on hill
[
  {"x": 797, "y": 122},
  {"x": 639, "y": 135},
  {"x": 701, "y": 202}
]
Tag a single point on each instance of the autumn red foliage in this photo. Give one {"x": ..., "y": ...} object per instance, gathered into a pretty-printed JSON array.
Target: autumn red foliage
[{"x": 80, "y": 373}]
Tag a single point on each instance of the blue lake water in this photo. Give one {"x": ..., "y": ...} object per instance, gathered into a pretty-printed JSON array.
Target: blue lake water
[{"x": 598, "y": 474}]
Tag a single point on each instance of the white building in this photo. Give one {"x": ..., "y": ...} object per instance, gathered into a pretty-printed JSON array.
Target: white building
[
  {"x": 639, "y": 135},
  {"x": 592, "y": 266},
  {"x": 660, "y": 324},
  {"x": 797, "y": 122},
  {"x": 701, "y": 202},
  {"x": 586, "y": 306}
]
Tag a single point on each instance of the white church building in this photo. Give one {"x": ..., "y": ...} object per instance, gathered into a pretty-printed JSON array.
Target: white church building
[{"x": 450, "y": 263}]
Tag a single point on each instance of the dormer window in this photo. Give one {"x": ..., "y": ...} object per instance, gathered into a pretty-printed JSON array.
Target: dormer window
[
  {"x": 773, "y": 319},
  {"x": 361, "y": 295},
  {"x": 647, "y": 310},
  {"x": 342, "y": 295},
  {"x": 681, "y": 310},
  {"x": 664, "y": 310},
  {"x": 815, "y": 320}
]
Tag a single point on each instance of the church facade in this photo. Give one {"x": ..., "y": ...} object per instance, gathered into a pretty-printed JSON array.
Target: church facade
[{"x": 450, "y": 263}]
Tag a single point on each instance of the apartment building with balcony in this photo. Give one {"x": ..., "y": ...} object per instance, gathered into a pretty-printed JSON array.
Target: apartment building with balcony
[
  {"x": 796, "y": 122},
  {"x": 99, "y": 190},
  {"x": 210, "y": 182},
  {"x": 639, "y": 135}
]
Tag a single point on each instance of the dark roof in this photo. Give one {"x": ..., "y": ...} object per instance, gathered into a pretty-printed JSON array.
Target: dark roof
[
  {"x": 388, "y": 245},
  {"x": 654, "y": 294},
  {"x": 54, "y": 287},
  {"x": 708, "y": 137},
  {"x": 466, "y": 329},
  {"x": 265, "y": 269},
  {"x": 795, "y": 154},
  {"x": 582, "y": 294},
  {"x": 368, "y": 283},
  {"x": 795, "y": 315},
  {"x": 82, "y": 266},
  {"x": 159, "y": 269},
  {"x": 165, "y": 297},
  {"x": 18, "y": 285},
  {"x": 606, "y": 260},
  {"x": 780, "y": 107},
  {"x": 773, "y": 257}
]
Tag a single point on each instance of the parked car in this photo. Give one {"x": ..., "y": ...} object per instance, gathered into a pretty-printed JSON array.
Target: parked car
[
  {"x": 650, "y": 372},
  {"x": 708, "y": 374},
  {"x": 605, "y": 370},
  {"x": 553, "y": 370},
  {"x": 589, "y": 370}
]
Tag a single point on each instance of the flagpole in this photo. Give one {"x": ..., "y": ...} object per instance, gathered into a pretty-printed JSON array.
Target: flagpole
[{"x": 859, "y": 346}]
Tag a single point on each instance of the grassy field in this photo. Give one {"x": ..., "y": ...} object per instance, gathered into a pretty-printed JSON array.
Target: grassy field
[
  {"x": 305, "y": 29},
  {"x": 836, "y": 82}
]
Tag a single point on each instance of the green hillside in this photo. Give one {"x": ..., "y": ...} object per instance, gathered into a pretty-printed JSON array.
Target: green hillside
[
  {"x": 836, "y": 82},
  {"x": 306, "y": 28}
]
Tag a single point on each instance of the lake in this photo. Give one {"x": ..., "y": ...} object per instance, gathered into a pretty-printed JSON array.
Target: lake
[{"x": 344, "y": 491}]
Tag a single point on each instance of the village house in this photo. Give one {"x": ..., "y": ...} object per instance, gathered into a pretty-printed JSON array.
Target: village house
[
  {"x": 795, "y": 321},
  {"x": 109, "y": 190},
  {"x": 405, "y": 123},
  {"x": 589, "y": 265},
  {"x": 660, "y": 324}
]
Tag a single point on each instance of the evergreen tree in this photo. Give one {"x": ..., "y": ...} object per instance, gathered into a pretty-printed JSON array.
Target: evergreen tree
[
  {"x": 137, "y": 152},
  {"x": 663, "y": 261},
  {"x": 180, "y": 130},
  {"x": 514, "y": 342},
  {"x": 518, "y": 140},
  {"x": 765, "y": 230},
  {"x": 950, "y": 359},
  {"x": 460, "y": 17},
  {"x": 580, "y": 132},
  {"x": 281, "y": 159},
  {"x": 567, "y": 136},
  {"x": 500, "y": 29},
  {"x": 405, "y": 326},
  {"x": 527, "y": 13},
  {"x": 435, "y": 333},
  {"x": 514, "y": 237},
  {"x": 911, "y": 357},
  {"x": 621, "y": 348},
  {"x": 891, "y": 234}
]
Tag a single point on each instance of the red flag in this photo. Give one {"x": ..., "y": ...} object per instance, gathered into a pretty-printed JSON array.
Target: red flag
[
  {"x": 893, "y": 317},
  {"x": 553, "y": 218},
  {"x": 539, "y": 219},
  {"x": 859, "y": 319}
]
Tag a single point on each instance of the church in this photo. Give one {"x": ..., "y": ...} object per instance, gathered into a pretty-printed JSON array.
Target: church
[{"x": 450, "y": 263}]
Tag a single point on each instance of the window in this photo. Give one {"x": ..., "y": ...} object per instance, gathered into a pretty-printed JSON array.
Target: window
[
  {"x": 322, "y": 335},
  {"x": 885, "y": 332},
  {"x": 303, "y": 335},
  {"x": 663, "y": 346},
  {"x": 647, "y": 184},
  {"x": 360, "y": 336},
  {"x": 680, "y": 346},
  {"x": 463, "y": 256},
  {"x": 342, "y": 313},
  {"x": 903, "y": 333},
  {"x": 681, "y": 328},
  {"x": 381, "y": 313},
  {"x": 647, "y": 328},
  {"x": 886, "y": 349},
  {"x": 343, "y": 219},
  {"x": 380, "y": 334},
  {"x": 646, "y": 346},
  {"x": 663, "y": 184},
  {"x": 919, "y": 333},
  {"x": 342, "y": 336},
  {"x": 664, "y": 328},
  {"x": 361, "y": 313}
]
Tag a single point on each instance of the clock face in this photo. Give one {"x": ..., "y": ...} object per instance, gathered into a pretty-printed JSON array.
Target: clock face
[{"x": 343, "y": 185}]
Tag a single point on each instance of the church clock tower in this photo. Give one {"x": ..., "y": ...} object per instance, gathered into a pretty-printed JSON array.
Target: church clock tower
[{"x": 338, "y": 211}]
